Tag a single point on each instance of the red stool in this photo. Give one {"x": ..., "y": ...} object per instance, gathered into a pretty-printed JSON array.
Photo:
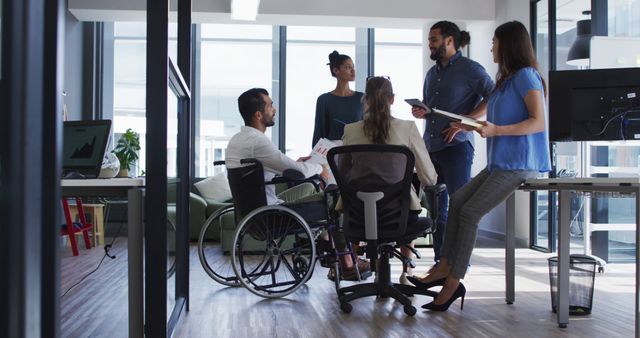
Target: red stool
[{"x": 71, "y": 230}]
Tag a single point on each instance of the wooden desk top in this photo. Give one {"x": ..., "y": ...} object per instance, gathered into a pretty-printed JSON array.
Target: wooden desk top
[
  {"x": 580, "y": 183},
  {"x": 100, "y": 187},
  {"x": 104, "y": 182}
]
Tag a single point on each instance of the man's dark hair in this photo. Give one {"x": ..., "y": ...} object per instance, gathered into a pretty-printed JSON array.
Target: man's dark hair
[
  {"x": 251, "y": 101},
  {"x": 448, "y": 28}
]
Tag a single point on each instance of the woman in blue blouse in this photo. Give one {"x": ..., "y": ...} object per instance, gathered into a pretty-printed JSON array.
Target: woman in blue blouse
[
  {"x": 341, "y": 106},
  {"x": 517, "y": 149}
]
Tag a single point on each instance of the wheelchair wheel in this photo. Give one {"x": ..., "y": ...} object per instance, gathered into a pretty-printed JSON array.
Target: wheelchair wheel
[
  {"x": 216, "y": 263},
  {"x": 273, "y": 252}
]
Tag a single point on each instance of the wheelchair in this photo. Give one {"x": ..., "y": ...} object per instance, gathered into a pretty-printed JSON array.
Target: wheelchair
[{"x": 273, "y": 251}]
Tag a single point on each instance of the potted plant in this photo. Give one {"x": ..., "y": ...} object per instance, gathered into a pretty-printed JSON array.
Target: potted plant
[{"x": 127, "y": 151}]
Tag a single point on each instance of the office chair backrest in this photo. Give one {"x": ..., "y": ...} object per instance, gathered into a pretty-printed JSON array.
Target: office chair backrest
[
  {"x": 372, "y": 168},
  {"x": 247, "y": 187}
]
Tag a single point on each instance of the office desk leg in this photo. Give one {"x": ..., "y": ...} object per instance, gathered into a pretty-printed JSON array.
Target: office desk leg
[
  {"x": 564, "y": 223},
  {"x": 510, "y": 248},
  {"x": 135, "y": 226}
]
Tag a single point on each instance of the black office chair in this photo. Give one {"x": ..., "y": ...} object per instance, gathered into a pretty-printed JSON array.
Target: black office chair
[{"x": 375, "y": 182}]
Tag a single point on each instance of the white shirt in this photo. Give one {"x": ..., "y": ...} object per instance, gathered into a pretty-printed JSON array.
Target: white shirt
[{"x": 252, "y": 143}]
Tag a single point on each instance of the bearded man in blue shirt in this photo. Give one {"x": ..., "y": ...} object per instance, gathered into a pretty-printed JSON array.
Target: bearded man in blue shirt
[{"x": 458, "y": 85}]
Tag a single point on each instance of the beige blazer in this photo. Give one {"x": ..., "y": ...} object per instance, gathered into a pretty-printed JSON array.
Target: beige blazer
[{"x": 402, "y": 132}]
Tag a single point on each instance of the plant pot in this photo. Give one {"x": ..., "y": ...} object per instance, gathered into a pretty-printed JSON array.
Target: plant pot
[{"x": 123, "y": 173}]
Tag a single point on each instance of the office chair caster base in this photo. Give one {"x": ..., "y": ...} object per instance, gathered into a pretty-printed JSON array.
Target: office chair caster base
[
  {"x": 346, "y": 307},
  {"x": 410, "y": 310}
]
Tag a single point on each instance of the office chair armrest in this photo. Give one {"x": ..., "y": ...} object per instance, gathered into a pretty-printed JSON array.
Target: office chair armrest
[
  {"x": 435, "y": 190},
  {"x": 433, "y": 193}
]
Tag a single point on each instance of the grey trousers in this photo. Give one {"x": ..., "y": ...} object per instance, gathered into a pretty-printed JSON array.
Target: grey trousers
[{"x": 468, "y": 205}]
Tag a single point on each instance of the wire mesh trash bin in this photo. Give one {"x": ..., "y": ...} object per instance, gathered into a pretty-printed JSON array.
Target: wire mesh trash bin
[{"x": 582, "y": 273}]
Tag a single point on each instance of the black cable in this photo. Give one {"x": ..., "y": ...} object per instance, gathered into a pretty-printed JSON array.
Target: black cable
[
  {"x": 604, "y": 129},
  {"x": 106, "y": 254},
  {"x": 622, "y": 115}
]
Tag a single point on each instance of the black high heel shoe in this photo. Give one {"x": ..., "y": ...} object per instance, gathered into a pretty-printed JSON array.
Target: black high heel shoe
[
  {"x": 460, "y": 292},
  {"x": 420, "y": 284}
]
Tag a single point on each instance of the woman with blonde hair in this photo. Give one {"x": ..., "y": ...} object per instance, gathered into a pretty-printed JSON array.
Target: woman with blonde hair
[{"x": 379, "y": 127}]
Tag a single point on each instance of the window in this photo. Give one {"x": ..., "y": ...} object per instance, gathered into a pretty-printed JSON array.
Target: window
[
  {"x": 308, "y": 77},
  {"x": 129, "y": 85},
  {"x": 233, "y": 59},
  {"x": 587, "y": 159},
  {"x": 398, "y": 54}
]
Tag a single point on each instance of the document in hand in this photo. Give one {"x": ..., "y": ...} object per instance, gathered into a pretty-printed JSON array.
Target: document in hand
[
  {"x": 460, "y": 118},
  {"x": 418, "y": 103},
  {"x": 319, "y": 152},
  {"x": 319, "y": 155}
]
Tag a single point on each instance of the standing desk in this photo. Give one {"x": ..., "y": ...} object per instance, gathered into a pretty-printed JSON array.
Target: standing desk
[
  {"x": 565, "y": 186},
  {"x": 133, "y": 188}
]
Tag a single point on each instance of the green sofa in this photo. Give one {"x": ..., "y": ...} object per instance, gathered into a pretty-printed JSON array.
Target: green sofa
[{"x": 199, "y": 210}]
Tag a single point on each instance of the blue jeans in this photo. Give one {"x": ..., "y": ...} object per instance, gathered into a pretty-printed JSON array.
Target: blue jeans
[{"x": 453, "y": 165}]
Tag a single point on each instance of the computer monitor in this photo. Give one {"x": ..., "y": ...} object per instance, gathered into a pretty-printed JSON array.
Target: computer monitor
[
  {"x": 595, "y": 104},
  {"x": 84, "y": 144}
]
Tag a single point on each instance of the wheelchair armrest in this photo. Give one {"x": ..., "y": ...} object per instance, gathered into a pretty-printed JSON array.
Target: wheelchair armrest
[
  {"x": 332, "y": 190},
  {"x": 248, "y": 160},
  {"x": 293, "y": 177},
  {"x": 288, "y": 176}
]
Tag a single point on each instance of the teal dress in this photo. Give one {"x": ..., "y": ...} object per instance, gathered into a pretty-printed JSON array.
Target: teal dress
[{"x": 334, "y": 112}]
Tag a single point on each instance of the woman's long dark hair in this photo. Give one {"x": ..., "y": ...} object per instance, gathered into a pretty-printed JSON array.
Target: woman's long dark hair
[
  {"x": 515, "y": 52},
  {"x": 377, "y": 109}
]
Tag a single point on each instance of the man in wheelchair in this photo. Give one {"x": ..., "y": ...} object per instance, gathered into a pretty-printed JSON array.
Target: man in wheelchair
[{"x": 258, "y": 113}]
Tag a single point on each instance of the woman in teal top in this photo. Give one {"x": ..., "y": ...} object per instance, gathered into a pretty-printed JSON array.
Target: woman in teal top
[
  {"x": 341, "y": 106},
  {"x": 517, "y": 149}
]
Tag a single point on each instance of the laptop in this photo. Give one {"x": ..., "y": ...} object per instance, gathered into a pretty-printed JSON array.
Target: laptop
[{"x": 84, "y": 144}]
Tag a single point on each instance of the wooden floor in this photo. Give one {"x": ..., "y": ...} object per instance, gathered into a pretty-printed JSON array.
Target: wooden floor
[{"x": 98, "y": 306}]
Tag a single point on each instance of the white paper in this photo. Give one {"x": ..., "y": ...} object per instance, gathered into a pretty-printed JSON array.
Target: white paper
[
  {"x": 320, "y": 150},
  {"x": 319, "y": 155}
]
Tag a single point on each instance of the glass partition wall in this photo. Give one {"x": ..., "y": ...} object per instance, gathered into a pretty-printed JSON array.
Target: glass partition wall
[
  {"x": 233, "y": 58},
  {"x": 600, "y": 225}
]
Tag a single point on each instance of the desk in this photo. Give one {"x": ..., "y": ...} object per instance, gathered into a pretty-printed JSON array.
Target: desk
[
  {"x": 564, "y": 187},
  {"x": 133, "y": 188}
]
